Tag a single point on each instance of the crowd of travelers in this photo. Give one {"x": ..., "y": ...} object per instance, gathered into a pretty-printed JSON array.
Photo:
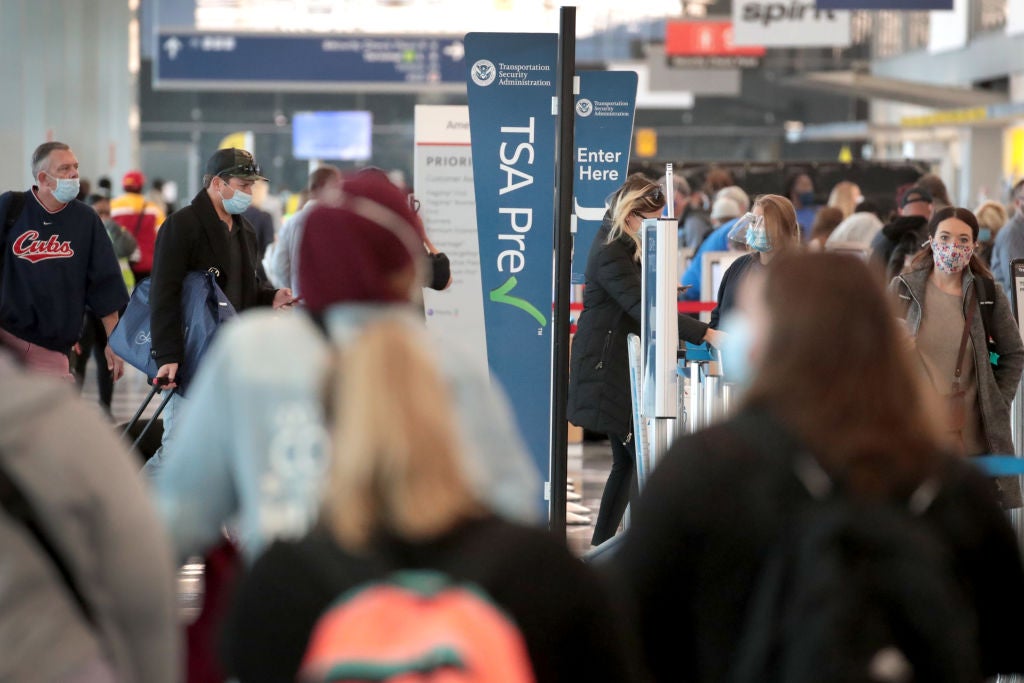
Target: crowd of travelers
[{"x": 378, "y": 499}]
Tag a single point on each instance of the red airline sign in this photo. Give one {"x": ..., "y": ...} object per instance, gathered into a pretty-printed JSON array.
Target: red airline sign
[{"x": 704, "y": 39}]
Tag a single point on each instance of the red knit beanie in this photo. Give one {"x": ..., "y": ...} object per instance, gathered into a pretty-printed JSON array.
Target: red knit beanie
[{"x": 351, "y": 250}]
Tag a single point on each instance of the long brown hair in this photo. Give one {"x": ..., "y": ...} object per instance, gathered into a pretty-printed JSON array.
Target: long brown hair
[
  {"x": 779, "y": 222},
  {"x": 924, "y": 259},
  {"x": 837, "y": 374}
]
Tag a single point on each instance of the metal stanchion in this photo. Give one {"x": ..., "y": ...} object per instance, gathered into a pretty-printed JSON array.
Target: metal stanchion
[
  {"x": 710, "y": 399},
  {"x": 695, "y": 414},
  {"x": 659, "y": 323}
]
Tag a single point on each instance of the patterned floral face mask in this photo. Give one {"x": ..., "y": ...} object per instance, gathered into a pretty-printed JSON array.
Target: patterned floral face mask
[{"x": 951, "y": 258}]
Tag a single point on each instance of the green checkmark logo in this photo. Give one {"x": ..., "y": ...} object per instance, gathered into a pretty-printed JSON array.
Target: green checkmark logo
[{"x": 502, "y": 295}]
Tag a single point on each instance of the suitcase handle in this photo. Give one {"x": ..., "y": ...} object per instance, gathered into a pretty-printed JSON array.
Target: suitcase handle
[{"x": 157, "y": 387}]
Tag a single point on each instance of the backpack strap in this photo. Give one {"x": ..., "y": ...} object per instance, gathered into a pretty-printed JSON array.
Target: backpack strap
[
  {"x": 138, "y": 221},
  {"x": 15, "y": 206},
  {"x": 18, "y": 508},
  {"x": 14, "y": 209}
]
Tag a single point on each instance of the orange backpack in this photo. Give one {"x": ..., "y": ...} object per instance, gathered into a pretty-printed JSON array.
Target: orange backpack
[{"x": 416, "y": 626}]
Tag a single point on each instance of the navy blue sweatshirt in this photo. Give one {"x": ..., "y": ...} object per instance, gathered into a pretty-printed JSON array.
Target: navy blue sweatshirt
[{"x": 54, "y": 265}]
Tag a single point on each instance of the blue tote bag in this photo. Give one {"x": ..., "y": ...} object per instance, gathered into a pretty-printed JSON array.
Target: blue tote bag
[{"x": 204, "y": 308}]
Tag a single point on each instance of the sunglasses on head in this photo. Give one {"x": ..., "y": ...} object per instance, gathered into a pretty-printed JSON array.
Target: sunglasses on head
[
  {"x": 247, "y": 169},
  {"x": 655, "y": 194}
]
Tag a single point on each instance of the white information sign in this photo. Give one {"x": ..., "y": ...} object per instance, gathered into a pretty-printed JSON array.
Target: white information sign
[
  {"x": 789, "y": 24},
  {"x": 443, "y": 169}
]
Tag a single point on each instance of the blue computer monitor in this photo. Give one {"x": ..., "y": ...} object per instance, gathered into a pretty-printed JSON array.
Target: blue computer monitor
[{"x": 332, "y": 135}]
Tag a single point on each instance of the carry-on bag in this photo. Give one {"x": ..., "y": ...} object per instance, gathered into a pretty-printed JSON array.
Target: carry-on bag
[{"x": 204, "y": 308}]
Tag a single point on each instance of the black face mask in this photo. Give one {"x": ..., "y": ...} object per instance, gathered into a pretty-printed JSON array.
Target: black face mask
[{"x": 442, "y": 271}]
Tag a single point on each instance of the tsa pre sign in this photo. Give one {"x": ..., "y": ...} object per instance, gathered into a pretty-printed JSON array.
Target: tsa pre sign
[
  {"x": 510, "y": 86},
  {"x": 604, "y": 131}
]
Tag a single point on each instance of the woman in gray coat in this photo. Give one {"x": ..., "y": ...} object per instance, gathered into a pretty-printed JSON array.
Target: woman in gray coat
[{"x": 948, "y": 286}]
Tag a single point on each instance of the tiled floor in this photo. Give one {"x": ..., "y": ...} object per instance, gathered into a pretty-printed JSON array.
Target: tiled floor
[{"x": 589, "y": 464}]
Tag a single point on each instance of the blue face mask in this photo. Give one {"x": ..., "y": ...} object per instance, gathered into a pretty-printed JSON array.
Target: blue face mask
[
  {"x": 736, "y": 349},
  {"x": 66, "y": 190},
  {"x": 984, "y": 235},
  {"x": 237, "y": 203},
  {"x": 806, "y": 198},
  {"x": 757, "y": 237}
]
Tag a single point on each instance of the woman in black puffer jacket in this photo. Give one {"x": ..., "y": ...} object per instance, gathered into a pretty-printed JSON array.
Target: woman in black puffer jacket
[{"x": 599, "y": 395}]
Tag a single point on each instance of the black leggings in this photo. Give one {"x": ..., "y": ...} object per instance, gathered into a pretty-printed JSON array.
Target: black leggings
[{"x": 619, "y": 490}]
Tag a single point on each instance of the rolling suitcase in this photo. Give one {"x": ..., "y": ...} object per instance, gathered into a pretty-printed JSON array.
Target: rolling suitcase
[{"x": 147, "y": 434}]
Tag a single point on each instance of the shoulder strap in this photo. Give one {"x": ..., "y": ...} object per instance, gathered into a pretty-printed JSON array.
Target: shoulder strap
[
  {"x": 19, "y": 509},
  {"x": 987, "y": 299},
  {"x": 963, "y": 340},
  {"x": 138, "y": 221}
]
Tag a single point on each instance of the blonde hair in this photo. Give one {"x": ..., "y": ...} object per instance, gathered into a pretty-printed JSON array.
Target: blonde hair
[
  {"x": 991, "y": 215},
  {"x": 779, "y": 222},
  {"x": 395, "y": 463},
  {"x": 844, "y": 197},
  {"x": 636, "y": 196}
]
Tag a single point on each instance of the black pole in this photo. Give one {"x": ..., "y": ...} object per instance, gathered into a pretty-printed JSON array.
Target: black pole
[{"x": 563, "y": 266}]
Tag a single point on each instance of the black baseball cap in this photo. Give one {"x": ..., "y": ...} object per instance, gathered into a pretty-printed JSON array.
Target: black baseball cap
[
  {"x": 916, "y": 194},
  {"x": 234, "y": 163}
]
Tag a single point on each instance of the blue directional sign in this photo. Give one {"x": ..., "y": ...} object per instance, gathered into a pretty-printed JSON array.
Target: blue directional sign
[{"x": 241, "y": 61}]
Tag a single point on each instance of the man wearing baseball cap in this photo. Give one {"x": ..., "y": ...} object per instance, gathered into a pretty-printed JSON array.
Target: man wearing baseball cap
[
  {"x": 209, "y": 234},
  {"x": 904, "y": 234},
  {"x": 139, "y": 218}
]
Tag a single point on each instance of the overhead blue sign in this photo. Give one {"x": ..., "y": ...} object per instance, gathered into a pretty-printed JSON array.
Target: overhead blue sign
[
  {"x": 237, "y": 61},
  {"x": 510, "y": 85},
  {"x": 604, "y": 133}
]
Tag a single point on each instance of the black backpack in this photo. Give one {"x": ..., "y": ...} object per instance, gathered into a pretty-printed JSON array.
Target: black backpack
[{"x": 856, "y": 592}]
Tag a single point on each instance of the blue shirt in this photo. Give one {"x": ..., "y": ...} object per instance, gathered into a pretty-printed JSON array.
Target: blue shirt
[
  {"x": 1009, "y": 245},
  {"x": 718, "y": 240},
  {"x": 805, "y": 217},
  {"x": 54, "y": 265}
]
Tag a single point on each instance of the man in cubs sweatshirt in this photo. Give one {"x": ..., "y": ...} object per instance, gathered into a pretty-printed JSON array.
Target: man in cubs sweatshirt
[{"x": 56, "y": 261}]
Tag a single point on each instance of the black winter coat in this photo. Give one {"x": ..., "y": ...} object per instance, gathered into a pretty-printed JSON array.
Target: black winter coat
[
  {"x": 194, "y": 238},
  {"x": 729, "y": 289},
  {"x": 715, "y": 507},
  {"x": 908, "y": 232},
  {"x": 599, "y": 394}
]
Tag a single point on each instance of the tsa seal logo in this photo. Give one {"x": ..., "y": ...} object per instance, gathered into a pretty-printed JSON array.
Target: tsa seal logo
[
  {"x": 483, "y": 72},
  {"x": 584, "y": 107}
]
